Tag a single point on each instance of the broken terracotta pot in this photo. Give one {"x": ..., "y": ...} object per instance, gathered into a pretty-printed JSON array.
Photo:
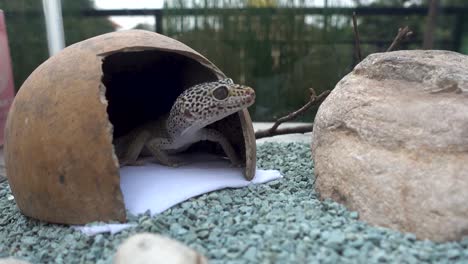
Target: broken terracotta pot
[{"x": 60, "y": 160}]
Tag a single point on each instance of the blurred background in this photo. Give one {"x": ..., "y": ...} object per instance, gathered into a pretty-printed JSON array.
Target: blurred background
[{"x": 279, "y": 47}]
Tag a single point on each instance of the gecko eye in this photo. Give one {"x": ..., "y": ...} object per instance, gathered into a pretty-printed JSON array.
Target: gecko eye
[
  {"x": 221, "y": 92},
  {"x": 228, "y": 81}
]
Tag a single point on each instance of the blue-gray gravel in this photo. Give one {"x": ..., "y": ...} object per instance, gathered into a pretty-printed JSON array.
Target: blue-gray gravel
[{"x": 278, "y": 222}]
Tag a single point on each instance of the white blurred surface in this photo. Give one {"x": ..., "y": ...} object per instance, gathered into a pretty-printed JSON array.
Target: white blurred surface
[{"x": 157, "y": 188}]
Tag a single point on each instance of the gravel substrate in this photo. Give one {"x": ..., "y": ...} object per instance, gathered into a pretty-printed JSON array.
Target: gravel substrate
[{"x": 278, "y": 222}]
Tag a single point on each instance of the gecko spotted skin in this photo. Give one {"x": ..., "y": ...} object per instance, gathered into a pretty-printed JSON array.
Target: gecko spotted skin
[{"x": 193, "y": 110}]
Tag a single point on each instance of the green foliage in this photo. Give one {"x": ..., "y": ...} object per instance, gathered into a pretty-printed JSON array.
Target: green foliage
[
  {"x": 77, "y": 27},
  {"x": 278, "y": 53},
  {"x": 27, "y": 31},
  {"x": 27, "y": 38},
  {"x": 449, "y": 32},
  {"x": 281, "y": 54}
]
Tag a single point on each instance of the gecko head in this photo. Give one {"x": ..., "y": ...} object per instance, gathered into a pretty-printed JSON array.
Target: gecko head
[{"x": 208, "y": 102}]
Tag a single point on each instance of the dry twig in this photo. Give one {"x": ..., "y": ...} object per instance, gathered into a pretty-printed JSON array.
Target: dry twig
[
  {"x": 357, "y": 40},
  {"x": 403, "y": 34},
  {"x": 274, "y": 131}
]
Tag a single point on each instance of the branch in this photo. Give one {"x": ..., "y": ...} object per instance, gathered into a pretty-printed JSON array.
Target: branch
[
  {"x": 283, "y": 131},
  {"x": 273, "y": 131},
  {"x": 403, "y": 34},
  {"x": 357, "y": 40}
]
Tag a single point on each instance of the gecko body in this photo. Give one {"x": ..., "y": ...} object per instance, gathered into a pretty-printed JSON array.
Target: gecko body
[{"x": 194, "y": 109}]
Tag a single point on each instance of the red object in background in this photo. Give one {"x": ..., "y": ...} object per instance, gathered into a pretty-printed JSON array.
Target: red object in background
[{"x": 6, "y": 77}]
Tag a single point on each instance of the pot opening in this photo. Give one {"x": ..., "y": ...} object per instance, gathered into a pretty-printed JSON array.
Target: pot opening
[{"x": 143, "y": 85}]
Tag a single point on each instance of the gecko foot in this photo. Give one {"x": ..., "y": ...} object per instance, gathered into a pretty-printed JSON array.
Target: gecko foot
[
  {"x": 237, "y": 165},
  {"x": 173, "y": 162},
  {"x": 124, "y": 162}
]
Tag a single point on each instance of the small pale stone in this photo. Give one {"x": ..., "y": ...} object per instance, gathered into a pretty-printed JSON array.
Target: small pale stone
[
  {"x": 225, "y": 199},
  {"x": 29, "y": 240},
  {"x": 350, "y": 252},
  {"x": 453, "y": 253},
  {"x": 250, "y": 254},
  {"x": 12, "y": 261},
  {"x": 410, "y": 237},
  {"x": 150, "y": 248},
  {"x": 335, "y": 239},
  {"x": 203, "y": 234},
  {"x": 314, "y": 233},
  {"x": 379, "y": 257},
  {"x": 354, "y": 215},
  {"x": 275, "y": 184}
]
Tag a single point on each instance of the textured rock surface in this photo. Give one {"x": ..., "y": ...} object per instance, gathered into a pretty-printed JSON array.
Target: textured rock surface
[
  {"x": 151, "y": 248},
  {"x": 391, "y": 141}
]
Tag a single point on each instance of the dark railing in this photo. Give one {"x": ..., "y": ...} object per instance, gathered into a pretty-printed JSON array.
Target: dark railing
[
  {"x": 363, "y": 11},
  {"x": 459, "y": 12}
]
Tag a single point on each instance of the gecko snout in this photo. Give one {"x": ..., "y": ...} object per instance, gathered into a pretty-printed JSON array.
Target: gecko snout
[{"x": 250, "y": 95}]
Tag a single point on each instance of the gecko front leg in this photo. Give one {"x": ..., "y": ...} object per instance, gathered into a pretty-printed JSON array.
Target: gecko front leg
[
  {"x": 137, "y": 142},
  {"x": 154, "y": 145},
  {"x": 216, "y": 136}
]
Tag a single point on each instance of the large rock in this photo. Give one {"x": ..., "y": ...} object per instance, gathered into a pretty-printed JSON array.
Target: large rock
[{"x": 391, "y": 141}]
